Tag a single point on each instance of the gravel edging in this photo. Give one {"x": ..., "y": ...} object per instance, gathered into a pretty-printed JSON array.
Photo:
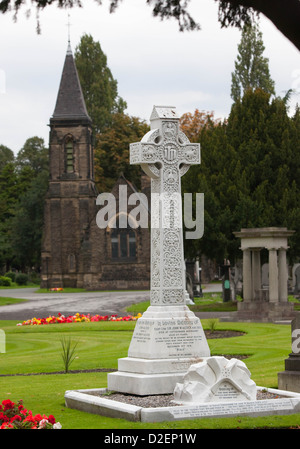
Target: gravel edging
[{"x": 162, "y": 400}]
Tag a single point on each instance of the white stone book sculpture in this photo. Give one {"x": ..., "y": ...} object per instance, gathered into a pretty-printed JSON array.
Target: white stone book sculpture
[
  {"x": 216, "y": 379},
  {"x": 168, "y": 338}
]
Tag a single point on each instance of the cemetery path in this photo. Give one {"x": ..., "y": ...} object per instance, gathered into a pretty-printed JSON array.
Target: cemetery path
[{"x": 41, "y": 305}]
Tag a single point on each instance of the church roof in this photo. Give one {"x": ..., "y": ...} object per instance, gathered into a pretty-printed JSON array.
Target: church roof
[{"x": 70, "y": 104}]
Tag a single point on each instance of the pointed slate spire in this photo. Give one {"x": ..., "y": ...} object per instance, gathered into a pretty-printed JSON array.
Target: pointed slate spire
[{"x": 70, "y": 104}]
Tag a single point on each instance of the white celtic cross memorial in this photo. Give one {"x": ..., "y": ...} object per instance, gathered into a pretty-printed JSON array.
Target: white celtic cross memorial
[
  {"x": 165, "y": 154},
  {"x": 168, "y": 338}
]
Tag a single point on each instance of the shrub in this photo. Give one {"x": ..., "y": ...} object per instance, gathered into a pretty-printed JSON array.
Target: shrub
[
  {"x": 5, "y": 281},
  {"x": 21, "y": 279},
  {"x": 34, "y": 278},
  {"x": 11, "y": 275}
]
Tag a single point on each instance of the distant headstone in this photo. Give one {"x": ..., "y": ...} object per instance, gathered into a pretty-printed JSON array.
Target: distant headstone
[
  {"x": 297, "y": 281},
  {"x": 216, "y": 379}
]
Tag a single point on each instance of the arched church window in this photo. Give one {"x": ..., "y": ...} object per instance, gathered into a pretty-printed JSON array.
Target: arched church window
[
  {"x": 69, "y": 155},
  {"x": 123, "y": 244}
]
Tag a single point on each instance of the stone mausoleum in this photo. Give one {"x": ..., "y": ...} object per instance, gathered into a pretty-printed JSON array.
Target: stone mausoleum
[
  {"x": 261, "y": 304},
  {"x": 75, "y": 251}
]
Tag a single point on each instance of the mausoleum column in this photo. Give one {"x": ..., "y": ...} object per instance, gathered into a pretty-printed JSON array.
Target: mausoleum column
[
  {"x": 273, "y": 275},
  {"x": 247, "y": 275},
  {"x": 282, "y": 275},
  {"x": 256, "y": 272}
]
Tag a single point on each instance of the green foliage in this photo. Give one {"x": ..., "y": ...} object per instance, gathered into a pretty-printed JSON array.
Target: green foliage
[
  {"x": 5, "y": 281},
  {"x": 11, "y": 275},
  {"x": 33, "y": 156},
  {"x": 68, "y": 352},
  {"x": 251, "y": 67},
  {"x": 249, "y": 174},
  {"x": 112, "y": 151},
  {"x": 27, "y": 224},
  {"x": 21, "y": 278},
  {"x": 98, "y": 85},
  {"x": 6, "y": 155}
]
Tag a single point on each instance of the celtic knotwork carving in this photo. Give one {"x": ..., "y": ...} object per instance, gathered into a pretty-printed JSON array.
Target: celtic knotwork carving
[
  {"x": 172, "y": 277},
  {"x": 154, "y": 296},
  {"x": 171, "y": 175},
  {"x": 148, "y": 152},
  {"x": 169, "y": 130},
  {"x": 174, "y": 296}
]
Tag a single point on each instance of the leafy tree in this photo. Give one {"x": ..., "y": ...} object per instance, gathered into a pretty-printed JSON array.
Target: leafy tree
[
  {"x": 98, "y": 85},
  {"x": 285, "y": 15},
  {"x": 192, "y": 124},
  {"x": 112, "y": 151},
  {"x": 9, "y": 193},
  {"x": 33, "y": 155},
  {"x": 249, "y": 174},
  {"x": 27, "y": 224},
  {"x": 23, "y": 184},
  {"x": 251, "y": 67},
  {"x": 6, "y": 155}
]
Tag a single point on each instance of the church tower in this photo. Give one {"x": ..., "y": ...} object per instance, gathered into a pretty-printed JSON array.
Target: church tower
[{"x": 71, "y": 198}]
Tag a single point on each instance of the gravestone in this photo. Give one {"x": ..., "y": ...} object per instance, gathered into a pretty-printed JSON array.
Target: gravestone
[
  {"x": 297, "y": 281},
  {"x": 168, "y": 338},
  {"x": 290, "y": 378},
  {"x": 216, "y": 379}
]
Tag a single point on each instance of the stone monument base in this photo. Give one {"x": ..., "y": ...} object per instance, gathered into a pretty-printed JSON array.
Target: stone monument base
[
  {"x": 98, "y": 401},
  {"x": 264, "y": 311},
  {"x": 165, "y": 342},
  {"x": 290, "y": 378}
]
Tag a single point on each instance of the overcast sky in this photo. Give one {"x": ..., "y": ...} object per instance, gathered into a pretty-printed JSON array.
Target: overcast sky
[{"x": 152, "y": 61}]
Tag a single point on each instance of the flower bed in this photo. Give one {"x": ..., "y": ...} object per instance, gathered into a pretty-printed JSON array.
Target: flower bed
[
  {"x": 15, "y": 416},
  {"x": 77, "y": 318}
]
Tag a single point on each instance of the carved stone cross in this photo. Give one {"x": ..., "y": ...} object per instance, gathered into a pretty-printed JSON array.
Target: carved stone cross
[
  {"x": 165, "y": 154},
  {"x": 168, "y": 337}
]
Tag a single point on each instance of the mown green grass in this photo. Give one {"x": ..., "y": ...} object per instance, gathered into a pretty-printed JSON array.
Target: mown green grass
[
  {"x": 6, "y": 301},
  {"x": 15, "y": 285},
  {"x": 37, "y": 349},
  {"x": 210, "y": 302}
]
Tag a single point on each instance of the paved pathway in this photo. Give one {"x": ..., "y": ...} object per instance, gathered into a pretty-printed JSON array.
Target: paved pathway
[{"x": 41, "y": 305}]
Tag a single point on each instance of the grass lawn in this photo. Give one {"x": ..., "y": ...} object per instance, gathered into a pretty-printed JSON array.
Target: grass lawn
[
  {"x": 210, "y": 302},
  {"x": 37, "y": 349},
  {"x": 6, "y": 301},
  {"x": 15, "y": 285}
]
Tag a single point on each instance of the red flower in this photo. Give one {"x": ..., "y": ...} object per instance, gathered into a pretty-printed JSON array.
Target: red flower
[
  {"x": 38, "y": 417},
  {"x": 16, "y": 418},
  {"x": 8, "y": 404},
  {"x": 51, "y": 419}
]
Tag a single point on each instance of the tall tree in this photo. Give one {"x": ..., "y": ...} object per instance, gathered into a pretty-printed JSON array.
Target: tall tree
[
  {"x": 6, "y": 155},
  {"x": 27, "y": 224},
  {"x": 100, "y": 89},
  {"x": 192, "y": 124},
  {"x": 249, "y": 175},
  {"x": 251, "y": 67},
  {"x": 285, "y": 14},
  {"x": 33, "y": 155},
  {"x": 112, "y": 151}
]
